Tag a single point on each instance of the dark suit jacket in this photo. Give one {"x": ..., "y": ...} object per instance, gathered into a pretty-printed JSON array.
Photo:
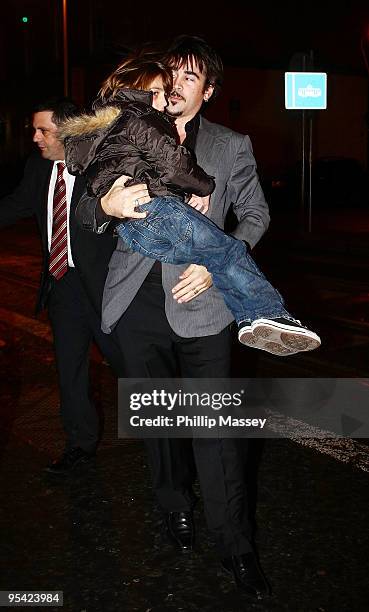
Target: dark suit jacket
[{"x": 91, "y": 253}]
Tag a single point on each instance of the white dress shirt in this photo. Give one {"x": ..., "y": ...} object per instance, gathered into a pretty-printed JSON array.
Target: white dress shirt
[{"x": 69, "y": 184}]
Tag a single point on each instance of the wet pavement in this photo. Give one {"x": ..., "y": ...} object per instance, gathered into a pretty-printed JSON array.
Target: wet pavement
[{"x": 97, "y": 535}]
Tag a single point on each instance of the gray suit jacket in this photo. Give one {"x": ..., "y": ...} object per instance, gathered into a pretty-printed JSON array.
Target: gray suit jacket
[{"x": 228, "y": 157}]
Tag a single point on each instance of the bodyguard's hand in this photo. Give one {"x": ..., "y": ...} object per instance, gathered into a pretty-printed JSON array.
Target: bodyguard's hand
[
  {"x": 123, "y": 202},
  {"x": 200, "y": 203},
  {"x": 194, "y": 280}
]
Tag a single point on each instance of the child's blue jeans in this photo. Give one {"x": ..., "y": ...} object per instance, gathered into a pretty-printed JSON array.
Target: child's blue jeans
[{"x": 175, "y": 233}]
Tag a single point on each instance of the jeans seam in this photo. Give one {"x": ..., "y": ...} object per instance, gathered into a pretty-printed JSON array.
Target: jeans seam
[{"x": 150, "y": 254}]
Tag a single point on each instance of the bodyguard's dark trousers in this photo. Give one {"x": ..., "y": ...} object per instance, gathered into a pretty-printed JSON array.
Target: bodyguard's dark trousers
[
  {"x": 152, "y": 349},
  {"x": 75, "y": 324}
]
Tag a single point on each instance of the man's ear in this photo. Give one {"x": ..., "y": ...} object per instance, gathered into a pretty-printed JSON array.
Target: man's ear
[{"x": 208, "y": 92}]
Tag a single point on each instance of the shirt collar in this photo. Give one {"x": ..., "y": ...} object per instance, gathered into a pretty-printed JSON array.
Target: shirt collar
[{"x": 192, "y": 128}]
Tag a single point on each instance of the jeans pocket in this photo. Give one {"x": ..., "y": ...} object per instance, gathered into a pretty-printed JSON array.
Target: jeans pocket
[
  {"x": 160, "y": 237},
  {"x": 158, "y": 250}
]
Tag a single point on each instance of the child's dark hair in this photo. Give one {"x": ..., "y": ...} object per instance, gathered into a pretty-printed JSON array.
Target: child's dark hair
[{"x": 137, "y": 73}]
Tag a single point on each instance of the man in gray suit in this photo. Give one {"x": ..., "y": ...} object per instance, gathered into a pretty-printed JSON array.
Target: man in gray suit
[{"x": 171, "y": 321}]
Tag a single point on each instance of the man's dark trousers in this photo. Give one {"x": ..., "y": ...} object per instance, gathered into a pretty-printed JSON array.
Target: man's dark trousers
[
  {"x": 75, "y": 325},
  {"x": 152, "y": 349}
]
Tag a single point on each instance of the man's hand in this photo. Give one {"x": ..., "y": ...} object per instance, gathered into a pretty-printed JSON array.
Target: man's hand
[
  {"x": 122, "y": 202},
  {"x": 194, "y": 280},
  {"x": 200, "y": 203}
]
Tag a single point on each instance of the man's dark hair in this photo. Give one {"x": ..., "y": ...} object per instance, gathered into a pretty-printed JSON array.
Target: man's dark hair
[
  {"x": 61, "y": 108},
  {"x": 192, "y": 49}
]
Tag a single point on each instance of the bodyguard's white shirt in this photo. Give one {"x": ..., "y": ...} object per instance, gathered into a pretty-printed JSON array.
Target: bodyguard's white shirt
[{"x": 69, "y": 184}]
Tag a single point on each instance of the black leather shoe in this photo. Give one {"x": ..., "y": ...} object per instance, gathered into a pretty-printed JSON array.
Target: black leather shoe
[
  {"x": 247, "y": 574},
  {"x": 181, "y": 530},
  {"x": 70, "y": 459}
]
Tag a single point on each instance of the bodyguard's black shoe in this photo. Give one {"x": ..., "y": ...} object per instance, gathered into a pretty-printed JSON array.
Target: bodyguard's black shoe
[
  {"x": 181, "y": 530},
  {"x": 247, "y": 574},
  {"x": 70, "y": 459}
]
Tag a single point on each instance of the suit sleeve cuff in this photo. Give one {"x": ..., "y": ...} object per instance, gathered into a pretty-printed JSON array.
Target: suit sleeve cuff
[{"x": 101, "y": 218}]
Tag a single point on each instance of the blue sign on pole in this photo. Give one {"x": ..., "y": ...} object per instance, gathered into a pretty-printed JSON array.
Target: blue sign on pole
[{"x": 305, "y": 90}]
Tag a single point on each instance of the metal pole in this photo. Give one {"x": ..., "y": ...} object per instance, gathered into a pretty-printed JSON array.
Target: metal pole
[
  {"x": 310, "y": 156},
  {"x": 27, "y": 61},
  {"x": 310, "y": 171},
  {"x": 65, "y": 48},
  {"x": 303, "y": 138}
]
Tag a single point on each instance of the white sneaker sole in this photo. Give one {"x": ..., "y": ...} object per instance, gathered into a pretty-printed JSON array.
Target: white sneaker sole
[{"x": 278, "y": 338}]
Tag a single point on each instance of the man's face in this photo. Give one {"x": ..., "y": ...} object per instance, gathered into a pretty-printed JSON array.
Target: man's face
[
  {"x": 189, "y": 91},
  {"x": 45, "y": 136}
]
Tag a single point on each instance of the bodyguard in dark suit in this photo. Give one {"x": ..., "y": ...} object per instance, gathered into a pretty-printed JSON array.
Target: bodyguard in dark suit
[{"x": 72, "y": 278}]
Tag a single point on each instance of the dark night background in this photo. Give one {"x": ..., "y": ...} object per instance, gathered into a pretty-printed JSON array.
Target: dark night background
[{"x": 257, "y": 41}]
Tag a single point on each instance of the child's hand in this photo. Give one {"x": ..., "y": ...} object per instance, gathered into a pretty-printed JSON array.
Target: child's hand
[
  {"x": 200, "y": 203},
  {"x": 122, "y": 202}
]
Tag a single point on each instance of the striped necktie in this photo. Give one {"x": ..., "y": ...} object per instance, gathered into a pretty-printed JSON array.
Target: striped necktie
[{"x": 58, "y": 263}]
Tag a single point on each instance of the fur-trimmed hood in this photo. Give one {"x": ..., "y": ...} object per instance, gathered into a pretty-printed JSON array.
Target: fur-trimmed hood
[
  {"x": 105, "y": 112},
  {"x": 82, "y": 125}
]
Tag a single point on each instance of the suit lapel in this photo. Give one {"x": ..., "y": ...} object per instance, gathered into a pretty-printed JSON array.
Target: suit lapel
[
  {"x": 44, "y": 191},
  {"x": 209, "y": 146},
  {"x": 78, "y": 189}
]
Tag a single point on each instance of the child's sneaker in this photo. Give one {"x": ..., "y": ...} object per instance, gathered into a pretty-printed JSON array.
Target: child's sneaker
[{"x": 278, "y": 336}]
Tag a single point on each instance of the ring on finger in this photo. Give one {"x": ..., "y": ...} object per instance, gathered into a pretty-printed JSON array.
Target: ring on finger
[
  {"x": 196, "y": 291},
  {"x": 137, "y": 201}
]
